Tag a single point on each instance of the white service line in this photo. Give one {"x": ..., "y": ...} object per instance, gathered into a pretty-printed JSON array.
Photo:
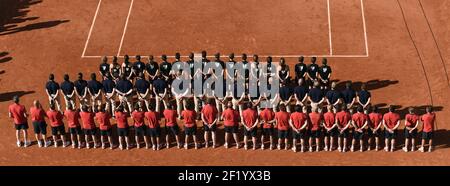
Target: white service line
[
  {"x": 90, "y": 30},
  {"x": 261, "y": 56},
  {"x": 365, "y": 30},
  {"x": 329, "y": 27},
  {"x": 125, "y": 28}
]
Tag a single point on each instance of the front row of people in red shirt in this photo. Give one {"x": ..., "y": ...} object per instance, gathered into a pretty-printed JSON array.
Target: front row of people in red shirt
[{"x": 308, "y": 128}]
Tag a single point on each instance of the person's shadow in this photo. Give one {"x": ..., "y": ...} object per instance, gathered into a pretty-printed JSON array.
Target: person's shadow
[{"x": 13, "y": 17}]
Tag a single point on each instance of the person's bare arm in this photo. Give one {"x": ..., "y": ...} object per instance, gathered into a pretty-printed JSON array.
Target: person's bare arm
[
  {"x": 292, "y": 126},
  {"x": 415, "y": 126},
  {"x": 305, "y": 125},
  {"x": 255, "y": 124},
  {"x": 397, "y": 125},
  {"x": 367, "y": 103}
]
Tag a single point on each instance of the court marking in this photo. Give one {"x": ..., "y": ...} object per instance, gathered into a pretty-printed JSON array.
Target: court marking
[
  {"x": 329, "y": 28},
  {"x": 92, "y": 27},
  {"x": 330, "y": 55},
  {"x": 125, "y": 27}
]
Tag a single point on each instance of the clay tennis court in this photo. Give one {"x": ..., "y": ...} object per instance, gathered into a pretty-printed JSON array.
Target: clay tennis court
[{"x": 399, "y": 47}]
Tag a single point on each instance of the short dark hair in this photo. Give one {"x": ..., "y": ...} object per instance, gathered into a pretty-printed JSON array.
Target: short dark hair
[
  {"x": 217, "y": 55},
  {"x": 282, "y": 107},
  {"x": 126, "y": 58},
  {"x": 138, "y": 57},
  {"x": 51, "y": 77},
  {"x": 164, "y": 57},
  {"x": 93, "y": 76},
  {"x": 324, "y": 61},
  {"x": 348, "y": 84},
  {"x": 16, "y": 99},
  {"x": 298, "y": 108},
  {"x": 429, "y": 109},
  {"x": 255, "y": 56},
  {"x": 104, "y": 59},
  {"x": 391, "y": 108},
  {"x": 203, "y": 53},
  {"x": 114, "y": 59},
  {"x": 360, "y": 108},
  {"x": 344, "y": 107},
  {"x": 301, "y": 59},
  {"x": 231, "y": 56},
  {"x": 52, "y": 105},
  {"x": 177, "y": 55},
  {"x": 66, "y": 77},
  {"x": 244, "y": 56},
  {"x": 80, "y": 75},
  {"x": 85, "y": 108},
  {"x": 375, "y": 109},
  {"x": 313, "y": 59},
  {"x": 191, "y": 55}
]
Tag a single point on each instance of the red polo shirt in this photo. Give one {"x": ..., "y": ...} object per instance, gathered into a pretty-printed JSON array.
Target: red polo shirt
[
  {"x": 315, "y": 119},
  {"x": 298, "y": 119},
  {"x": 209, "y": 113},
  {"x": 428, "y": 122},
  {"x": 17, "y": 112},
  {"x": 72, "y": 118},
  {"x": 250, "y": 116},
  {"x": 391, "y": 119}
]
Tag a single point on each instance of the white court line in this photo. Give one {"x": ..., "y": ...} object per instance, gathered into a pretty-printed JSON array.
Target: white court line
[
  {"x": 329, "y": 27},
  {"x": 364, "y": 26},
  {"x": 261, "y": 56},
  {"x": 92, "y": 27},
  {"x": 125, "y": 27}
]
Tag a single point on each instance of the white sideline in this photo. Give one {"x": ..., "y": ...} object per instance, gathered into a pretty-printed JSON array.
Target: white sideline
[
  {"x": 125, "y": 27},
  {"x": 90, "y": 30},
  {"x": 330, "y": 55}
]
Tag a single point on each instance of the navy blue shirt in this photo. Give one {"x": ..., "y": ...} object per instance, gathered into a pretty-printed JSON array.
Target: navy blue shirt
[
  {"x": 364, "y": 96},
  {"x": 124, "y": 86},
  {"x": 165, "y": 68},
  {"x": 333, "y": 96},
  {"x": 301, "y": 92},
  {"x": 312, "y": 70},
  {"x": 316, "y": 94},
  {"x": 127, "y": 68},
  {"x": 300, "y": 69},
  {"x": 324, "y": 72},
  {"x": 348, "y": 95},
  {"x": 141, "y": 85},
  {"x": 80, "y": 85},
  {"x": 159, "y": 85},
  {"x": 152, "y": 67},
  {"x": 67, "y": 87},
  {"x": 285, "y": 92},
  {"x": 139, "y": 66},
  {"x": 104, "y": 69},
  {"x": 94, "y": 86},
  {"x": 52, "y": 87},
  {"x": 108, "y": 85}
]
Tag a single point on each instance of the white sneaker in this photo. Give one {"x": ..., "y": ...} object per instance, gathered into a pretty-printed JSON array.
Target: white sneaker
[
  {"x": 226, "y": 145},
  {"x": 262, "y": 147},
  {"x": 405, "y": 149},
  {"x": 47, "y": 144},
  {"x": 245, "y": 147},
  {"x": 39, "y": 143},
  {"x": 19, "y": 143},
  {"x": 27, "y": 144},
  {"x": 421, "y": 149}
]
